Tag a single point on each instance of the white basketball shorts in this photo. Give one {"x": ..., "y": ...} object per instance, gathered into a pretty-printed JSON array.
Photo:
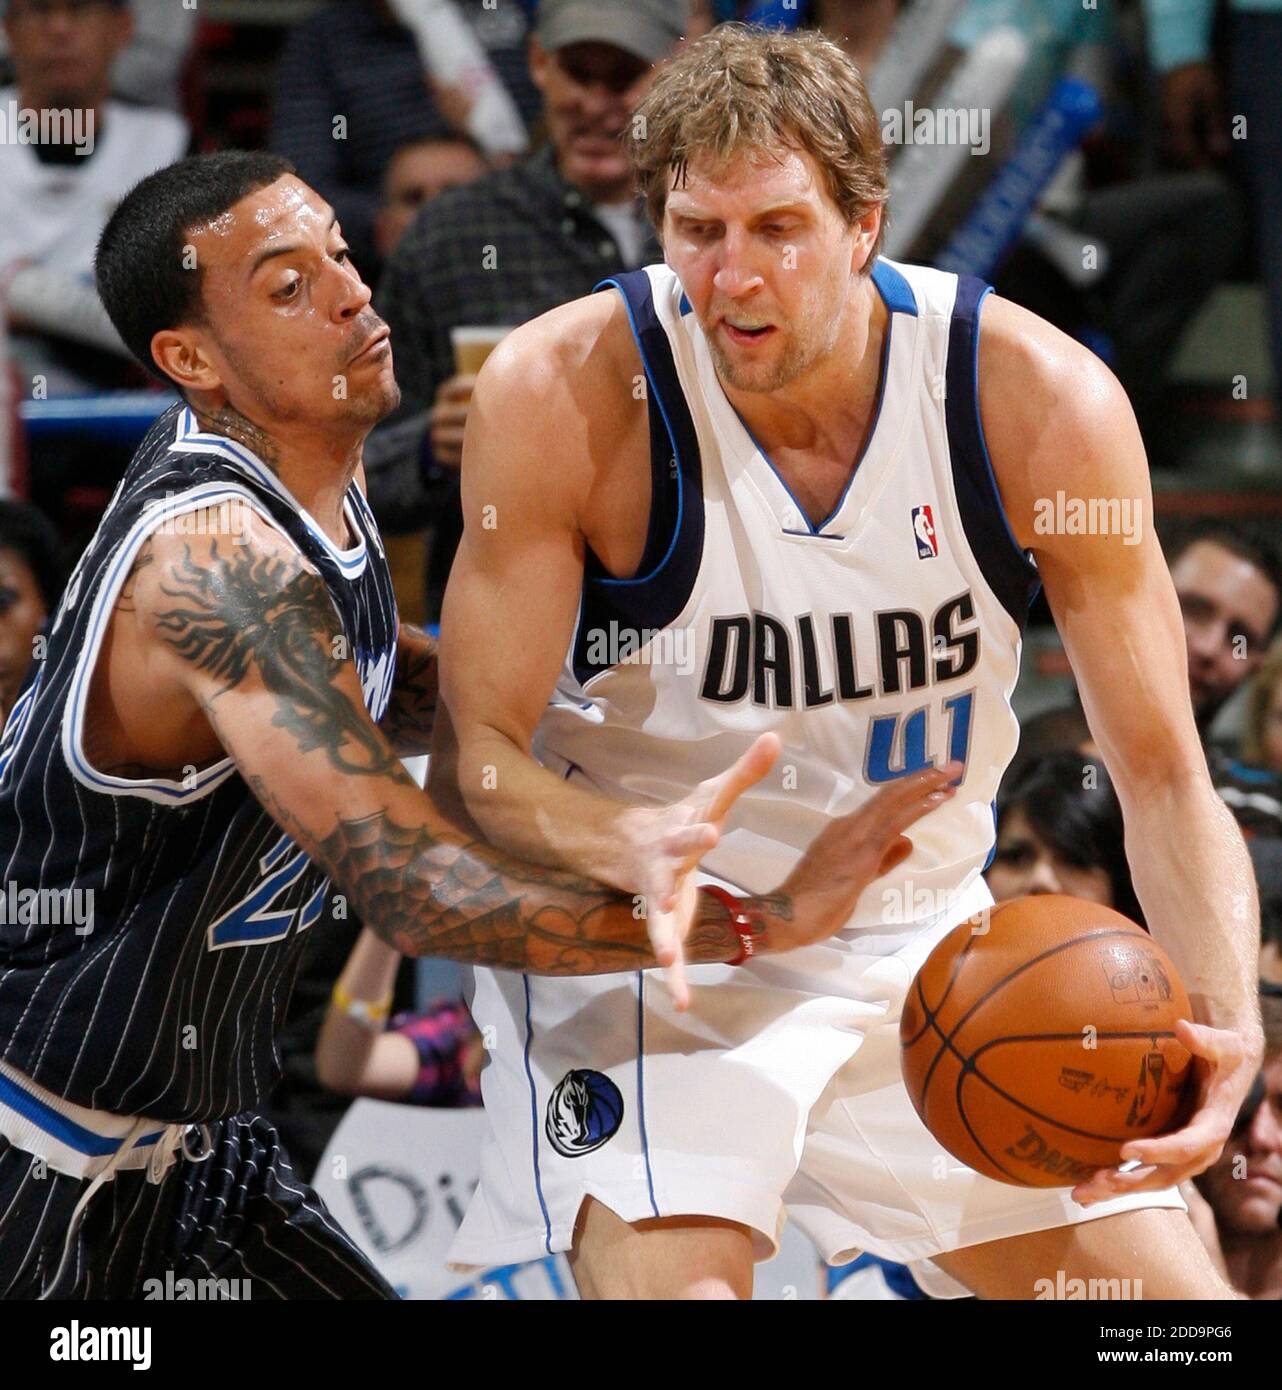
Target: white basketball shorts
[{"x": 779, "y": 1093}]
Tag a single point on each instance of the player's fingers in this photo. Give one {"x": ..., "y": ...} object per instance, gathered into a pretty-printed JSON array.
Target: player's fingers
[
  {"x": 1219, "y": 1045},
  {"x": 678, "y": 985},
  {"x": 692, "y": 841},
  {"x": 669, "y": 952},
  {"x": 660, "y": 888},
  {"x": 899, "y": 850},
  {"x": 877, "y": 829},
  {"x": 1155, "y": 1177},
  {"x": 1112, "y": 1183},
  {"x": 746, "y": 771},
  {"x": 663, "y": 934},
  {"x": 904, "y": 792},
  {"x": 909, "y": 814},
  {"x": 1205, "y": 1134},
  {"x": 906, "y": 812},
  {"x": 683, "y": 850}
]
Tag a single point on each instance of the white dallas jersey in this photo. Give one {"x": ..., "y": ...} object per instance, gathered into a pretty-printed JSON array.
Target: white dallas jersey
[{"x": 885, "y": 639}]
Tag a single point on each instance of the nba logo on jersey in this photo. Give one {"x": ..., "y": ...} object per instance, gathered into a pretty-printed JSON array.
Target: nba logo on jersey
[{"x": 924, "y": 531}]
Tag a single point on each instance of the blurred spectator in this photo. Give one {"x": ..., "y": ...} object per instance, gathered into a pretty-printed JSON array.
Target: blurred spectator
[
  {"x": 1053, "y": 731},
  {"x": 419, "y": 171},
  {"x": 432, "y": 1058},
  {"x": 351, "y": 90},
  {"x": 513, "y": 245},
  {"x": 1262, "y": 739},
  {"x": 1243, "y": 1191},
  {"x": 1059, "y": 830},
  {"x": 1161, "y": 242},
  {"x": 59, "y": 191},
  {"x": 31, "y": 578},
  {"x": 1229, "y": 583},
  {"x": 1266, "y": 859},
  {"x": 1193, "y": 109},
  {"x": 150, "y": 69}
]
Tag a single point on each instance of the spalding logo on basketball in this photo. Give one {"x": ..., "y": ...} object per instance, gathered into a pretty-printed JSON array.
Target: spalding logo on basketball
[
  {"x": 1038, "y": 1039},
  {"x": 584, "y": 1111}
]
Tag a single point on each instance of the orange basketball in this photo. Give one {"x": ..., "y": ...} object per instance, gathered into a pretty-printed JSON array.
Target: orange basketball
[{"x": 1037, "y": 1042}]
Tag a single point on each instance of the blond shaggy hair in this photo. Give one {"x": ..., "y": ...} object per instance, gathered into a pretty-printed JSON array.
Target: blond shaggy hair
[{"x": 741, "y": 90}]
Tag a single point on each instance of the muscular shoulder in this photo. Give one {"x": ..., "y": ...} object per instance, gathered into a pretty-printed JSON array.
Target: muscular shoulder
[
  {"x": 1054, "y": 415},
  {"x": 559, "y": 394},
  {"x": 554, "y": 359},
  {"x": 204, "y": 594}
]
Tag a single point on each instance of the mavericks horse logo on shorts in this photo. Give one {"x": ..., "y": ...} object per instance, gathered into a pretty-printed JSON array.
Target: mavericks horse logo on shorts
[{"x": 585, "y": 1110}]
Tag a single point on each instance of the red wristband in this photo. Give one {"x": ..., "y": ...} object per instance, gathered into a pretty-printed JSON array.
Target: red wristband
[{"x": 752, "y": 934}]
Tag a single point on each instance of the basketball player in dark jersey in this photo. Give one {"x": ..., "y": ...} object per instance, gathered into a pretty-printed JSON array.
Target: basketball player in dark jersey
[{"x": 213, "y": 736}]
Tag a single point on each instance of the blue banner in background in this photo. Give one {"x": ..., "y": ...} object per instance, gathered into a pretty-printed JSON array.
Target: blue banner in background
[{"x": 993, "y": 224}]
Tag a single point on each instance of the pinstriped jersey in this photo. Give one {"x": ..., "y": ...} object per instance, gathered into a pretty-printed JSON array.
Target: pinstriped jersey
[
  {"x": 150, "y": 928},
  {"x": 883, "y": 639}
]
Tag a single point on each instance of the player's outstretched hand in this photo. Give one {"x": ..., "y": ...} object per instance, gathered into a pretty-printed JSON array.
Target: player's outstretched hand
[
  {"x": 1223, "y": 1067},
  {"x": 819, "y": 895},
  {"x": 664, "y": 844}
]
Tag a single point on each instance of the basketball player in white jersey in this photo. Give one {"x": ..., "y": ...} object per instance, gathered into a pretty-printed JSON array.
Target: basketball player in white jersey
[{"x": 781, "y": 484}]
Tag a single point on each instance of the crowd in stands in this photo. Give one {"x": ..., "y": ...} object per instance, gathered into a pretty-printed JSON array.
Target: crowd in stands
[{"x": 475, "y": 153}]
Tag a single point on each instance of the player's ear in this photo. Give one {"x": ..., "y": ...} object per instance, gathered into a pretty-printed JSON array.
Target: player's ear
[
  {"x": 180, "y": 354},
  {"x": 866, "y": 230}
]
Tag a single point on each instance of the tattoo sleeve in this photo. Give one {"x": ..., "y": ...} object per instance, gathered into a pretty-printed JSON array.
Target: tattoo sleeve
[
  {"x": 407, "y": 724},
  {"x": 266, "y": 610},
  {"x": 438, "y": 895},
  {"x": 423, "y": 889}
]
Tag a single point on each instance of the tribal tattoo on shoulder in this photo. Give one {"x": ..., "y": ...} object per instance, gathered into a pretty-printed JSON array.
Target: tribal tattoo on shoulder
[
  {"x": 426, "y": 890},
  {"x": 243, "y": 607}
]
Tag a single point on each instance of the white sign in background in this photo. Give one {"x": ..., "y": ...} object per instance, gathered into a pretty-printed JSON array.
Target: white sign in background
[{"x": 398, "y": 1179}]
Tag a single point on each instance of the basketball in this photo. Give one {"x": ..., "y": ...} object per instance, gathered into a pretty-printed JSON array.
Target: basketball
[{"x": 1038, "y": 1041}]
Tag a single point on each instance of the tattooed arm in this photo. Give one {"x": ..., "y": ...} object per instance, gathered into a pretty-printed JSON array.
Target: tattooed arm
[
  {"x": 246, "y": 631},
  {"x": 407, "y": 724}
]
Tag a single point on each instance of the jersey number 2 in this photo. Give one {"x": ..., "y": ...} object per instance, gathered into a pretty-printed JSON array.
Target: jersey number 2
[{"x": 253, "y": 921}]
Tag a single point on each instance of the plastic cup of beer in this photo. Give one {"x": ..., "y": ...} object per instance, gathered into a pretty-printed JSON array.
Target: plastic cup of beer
[{"x": 472, "y": 345}]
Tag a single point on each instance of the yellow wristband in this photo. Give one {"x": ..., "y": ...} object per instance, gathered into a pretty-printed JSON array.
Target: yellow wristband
[{"x": 364, "y": 1011}]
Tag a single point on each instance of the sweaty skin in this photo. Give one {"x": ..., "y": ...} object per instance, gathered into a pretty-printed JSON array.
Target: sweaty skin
[{"x": 1054, "y": 417}]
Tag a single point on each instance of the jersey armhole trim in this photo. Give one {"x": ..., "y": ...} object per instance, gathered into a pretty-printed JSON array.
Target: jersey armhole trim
[
  {"x": 189, "y": 439},
  {"x": 162, "y": 790},
  {"x": 657, "y": 396},
  {"x": 983, "y": 443},
  {"x": 1007, "y": 568}
]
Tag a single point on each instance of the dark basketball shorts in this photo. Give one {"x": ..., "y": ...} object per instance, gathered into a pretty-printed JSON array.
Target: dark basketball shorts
[{"x": 239, "y": 1214}]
